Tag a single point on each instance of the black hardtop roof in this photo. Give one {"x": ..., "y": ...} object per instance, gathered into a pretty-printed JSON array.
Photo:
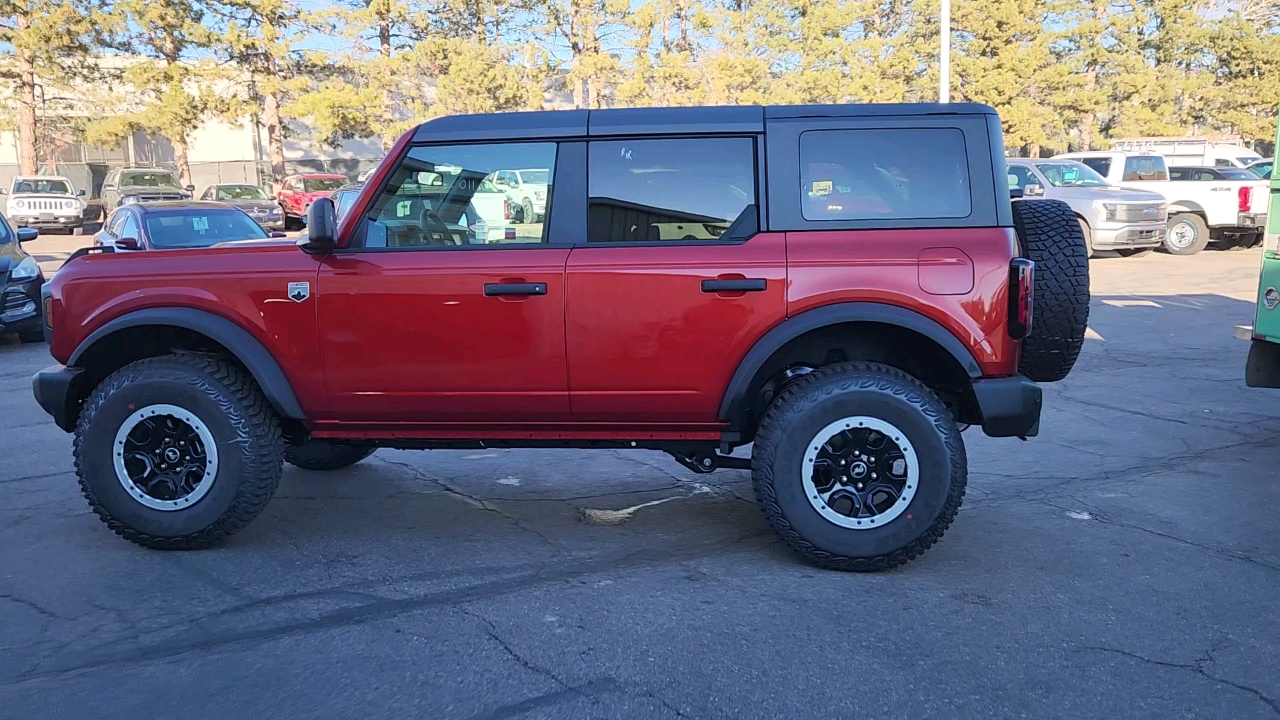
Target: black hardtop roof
[{"x": 550, "y": 124}]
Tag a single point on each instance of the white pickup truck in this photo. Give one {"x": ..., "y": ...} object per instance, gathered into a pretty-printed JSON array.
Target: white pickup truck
[{"x": 1232, "y": 213}]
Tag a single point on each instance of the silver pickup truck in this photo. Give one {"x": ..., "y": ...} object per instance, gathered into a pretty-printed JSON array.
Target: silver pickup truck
[{"x": 1131, "y": 222}]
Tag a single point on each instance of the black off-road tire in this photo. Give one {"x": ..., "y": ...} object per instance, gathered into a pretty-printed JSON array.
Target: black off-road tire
[
  {"x": 245, "y": 430},
  {"x": 1050, "y": 235},
  {"x": 321, "y": 455},
  {"x": 31, "y": 337},
  {"x": 1197, "y": 225},
  {"x": 858, "y": 389}
]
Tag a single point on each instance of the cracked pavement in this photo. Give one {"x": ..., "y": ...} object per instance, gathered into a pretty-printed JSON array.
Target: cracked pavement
[{"x": 1126, "y": 563}]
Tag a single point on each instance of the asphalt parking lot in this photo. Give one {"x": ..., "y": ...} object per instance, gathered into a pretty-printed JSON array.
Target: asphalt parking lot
[{"x": 1124, "y": 564}]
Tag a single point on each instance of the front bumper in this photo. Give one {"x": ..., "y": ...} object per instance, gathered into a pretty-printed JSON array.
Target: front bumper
[
  {"x": 1010, "y": 406},
  {"x": 56, "y": 222},
  {"x": 1129, "y": 236},
  {"x": 20, "y": 309},
  {"x": 57, "y": 390}
]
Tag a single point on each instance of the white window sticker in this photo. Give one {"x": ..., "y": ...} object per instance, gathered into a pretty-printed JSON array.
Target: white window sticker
[{"x": 200, "y": 223}]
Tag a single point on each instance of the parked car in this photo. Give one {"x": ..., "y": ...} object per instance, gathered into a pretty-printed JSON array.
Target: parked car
[
  {"x": 1262, "y": 168},
  {"x": 1131, "y": 222},
  {"x": 1204, "y": 174},
  {"x": 21, "y": 278},
  {"x": 125, "y": 186},
  {"x": 299, "y": 191},
  {"x": 847, "y": 330},
  {"x": 1228, "y": 212},
  {"x": 252, "y": 199},
  {"x": 344, "y": 197},
  {"x": 527, "y": 189},
  {"x": 1228, "y": 152},
  {"x": 176, "y": 225},
  {"x": 1262, "y": 367},
  {"x": 46, "y": 202}
]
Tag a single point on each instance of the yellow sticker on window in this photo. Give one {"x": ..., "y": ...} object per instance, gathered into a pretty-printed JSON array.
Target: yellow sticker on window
[{"x": 822, "y": 187}]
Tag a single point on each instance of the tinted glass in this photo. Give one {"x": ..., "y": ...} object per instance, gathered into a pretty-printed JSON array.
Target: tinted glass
[
  {"x": 1020, "y": 177},
  {"x": 343, "y": 200},
  {"x": 49, "y": 187},
  {"x": 657, "y": 190},
  {"x": 884, "y": 174},
  {"x": 130, "y": 228},
  {"x": 1262, "y": 170},
  {"x": 1179, "y": 174},
  {"x": 1237, "y": 174},
  {"x": 1145, "y": 167},
  {"x": 200, "y": 228},
  {"x": 443, "y": 196},
  {"x": 1100, "y": 165},
  {"x": 149, "y": 179},
  {"x": 1071, "y": 174},
  {"x": 6, "y": 233},
  {"x": 535, "y": 176},
  {"x": 322, "y": 184},
  {"x": 241, "y": 192}
]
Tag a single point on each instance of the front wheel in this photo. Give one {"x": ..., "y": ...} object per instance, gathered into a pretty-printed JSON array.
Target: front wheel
[
  {"x": 527, "y": 208},
  {"x": 178, "y": 452},
  {"x": 859, "y": 466},
  {"x": 1188, "y": 234}
]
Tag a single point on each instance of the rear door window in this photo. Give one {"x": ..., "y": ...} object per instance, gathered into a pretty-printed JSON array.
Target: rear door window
[
  {"x": 872, "y": 174},
  {"x": 691, "y": 190},
  {"x": 1100, "y": 165},
  {"x": 1144, "y": 167},
  {"x": 1020, "y": 177}
]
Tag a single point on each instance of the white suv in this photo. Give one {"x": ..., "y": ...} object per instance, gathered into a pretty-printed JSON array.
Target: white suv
[
  {"x": 46, "y": 202},
  {"x": 527, "y": 190}
]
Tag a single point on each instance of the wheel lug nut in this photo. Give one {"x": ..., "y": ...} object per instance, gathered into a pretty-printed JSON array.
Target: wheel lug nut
[
  {"x": 873, "y": 476},
  {"x": 859, "y": 486}
]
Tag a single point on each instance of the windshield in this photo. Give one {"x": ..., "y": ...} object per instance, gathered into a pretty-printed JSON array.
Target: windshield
[
  {"x": 40, "y": 185},
  {"x": 343, "y": 200},
  {"x": 322, "y": 184},
  {"x": 241, "y": 192},
  {"x": 200, "y": 228},
  {"x": 534, "y": 176},
  {"x": 158, "y": 178},
  {"x": 1262, "y": 170},
  {"x": 1072, "y": 174}
]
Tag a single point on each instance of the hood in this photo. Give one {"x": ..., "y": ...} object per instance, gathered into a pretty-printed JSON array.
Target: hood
[
  {"x": 264, "y": 242},
  {"x": 1110, "y": 192},
  {"x": 253, "y": 204}
]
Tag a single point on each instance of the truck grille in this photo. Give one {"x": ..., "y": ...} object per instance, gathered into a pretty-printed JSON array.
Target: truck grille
[
  {"x": 157, "y": 197},
  {"x": 1141, "y": 213},
  {"x": 44, "y": 204}
]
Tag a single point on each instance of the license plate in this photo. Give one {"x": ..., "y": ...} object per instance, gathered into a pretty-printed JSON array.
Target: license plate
[{"x": 46, "y": 216}]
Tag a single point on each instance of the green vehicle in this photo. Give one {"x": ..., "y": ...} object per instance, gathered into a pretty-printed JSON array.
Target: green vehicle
[{"x": 1263, "y": 366}]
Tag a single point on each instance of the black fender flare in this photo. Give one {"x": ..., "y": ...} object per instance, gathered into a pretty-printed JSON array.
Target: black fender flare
[
  {"x": 735, "y": 394},
  {"x": 261, "y": 365}
]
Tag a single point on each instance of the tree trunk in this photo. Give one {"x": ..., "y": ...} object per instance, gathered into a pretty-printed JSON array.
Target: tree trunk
[
  {"x": 275, "y": 136},
  {"x": 26, "y": 115},
  {"x": 180, "y": 158},
  {"x": 384, "y": 36},
  {"x": 1033, "y": 150}
]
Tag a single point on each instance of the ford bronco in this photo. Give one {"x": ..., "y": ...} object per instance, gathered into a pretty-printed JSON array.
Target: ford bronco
[{"x": 845, "y": 288}]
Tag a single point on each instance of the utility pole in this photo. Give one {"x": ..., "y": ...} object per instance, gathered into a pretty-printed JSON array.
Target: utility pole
[{"x": 944, "y": 77}]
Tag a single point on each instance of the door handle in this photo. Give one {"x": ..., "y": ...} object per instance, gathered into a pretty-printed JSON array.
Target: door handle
[
  {"x": 740, "y": 285},
  {"x": 499, "y": 289}
]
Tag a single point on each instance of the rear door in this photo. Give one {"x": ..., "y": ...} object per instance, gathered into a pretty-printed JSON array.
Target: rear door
[
  {"x": 423, "y": 322},
  {"x": 674, "y": 282}
]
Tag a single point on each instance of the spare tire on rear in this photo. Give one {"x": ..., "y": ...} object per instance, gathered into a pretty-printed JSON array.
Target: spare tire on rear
[{"x": 1051, "y": 237}]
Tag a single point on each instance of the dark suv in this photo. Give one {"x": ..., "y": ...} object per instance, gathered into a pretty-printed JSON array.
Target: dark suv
[
  {"x": 844, "y": 287},
  {"x": 124, "y": 186}
]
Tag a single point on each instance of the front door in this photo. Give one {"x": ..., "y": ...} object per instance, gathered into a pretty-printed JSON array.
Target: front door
[
  {"x": 674, "y": 284},
  {"x": 423, "y": 319}
]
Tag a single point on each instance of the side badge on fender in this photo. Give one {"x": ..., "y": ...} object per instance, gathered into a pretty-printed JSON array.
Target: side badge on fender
[{"x": 299, "y": 291}]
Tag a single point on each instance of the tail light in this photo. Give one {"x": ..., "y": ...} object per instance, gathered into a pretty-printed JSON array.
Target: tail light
[
  {"x": 1021, "y": 297},
  {"x": 506, "y": 209},
  {"x": 1244, "y": 198}
]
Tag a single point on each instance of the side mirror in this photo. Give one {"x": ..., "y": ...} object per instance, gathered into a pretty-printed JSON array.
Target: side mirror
[
  {"x": 108, "y": 186},
  {"x": 190, "y": 188},
  {"x": 1033, "y": 190},
  {"x": 27, "y": 234},
  {"x": 322, "y": 226},
  {"x": 278, "y": 235},
  {"x": 4, "y": 191},
  {"x": 128, "y": 243},
  {"x": 80, "y": 193}
]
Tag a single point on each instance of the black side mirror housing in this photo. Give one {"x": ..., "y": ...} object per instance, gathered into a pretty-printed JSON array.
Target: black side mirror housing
[
  {"x": 80, "y": 193},
  {"x": 190, "y": 188},
  {"x": 27, "y": 234},
  {"x": 322, "y": 228},
  {"x": 128, "y": 243}
]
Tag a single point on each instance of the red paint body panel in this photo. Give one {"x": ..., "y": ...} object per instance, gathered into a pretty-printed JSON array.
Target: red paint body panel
[
  {"x": 514, "y": 431},
  {"x": 245, "y": 284},
  {"x": 645, "y": 344},
  {"x": 411, "y": 337},
  {"x": 882, "y": 266}
]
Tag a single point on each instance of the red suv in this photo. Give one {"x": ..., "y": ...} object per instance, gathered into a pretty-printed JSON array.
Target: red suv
[
  {"x": 845, "y": 287},
  {"x": 299, "y": 191}
]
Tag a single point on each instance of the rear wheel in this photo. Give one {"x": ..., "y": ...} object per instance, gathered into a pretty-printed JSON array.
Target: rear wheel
[
  {"x": 1188, "y": 234},
  {"x": 527, "y": 207},
  {"x": 178, "y": 452},
  {"x": 321, "y": 455},
  {"x": 859, "y": 466}
]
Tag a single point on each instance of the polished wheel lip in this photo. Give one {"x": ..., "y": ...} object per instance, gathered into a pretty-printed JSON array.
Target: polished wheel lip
[
  {"x": 887, "y": 429},
  {"x": 211, "y": 457}
]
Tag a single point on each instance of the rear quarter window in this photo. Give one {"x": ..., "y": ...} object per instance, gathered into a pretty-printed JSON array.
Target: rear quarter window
[
  {"x": 1100, "y": 165},
  {"x": 889, "y": 173}
]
